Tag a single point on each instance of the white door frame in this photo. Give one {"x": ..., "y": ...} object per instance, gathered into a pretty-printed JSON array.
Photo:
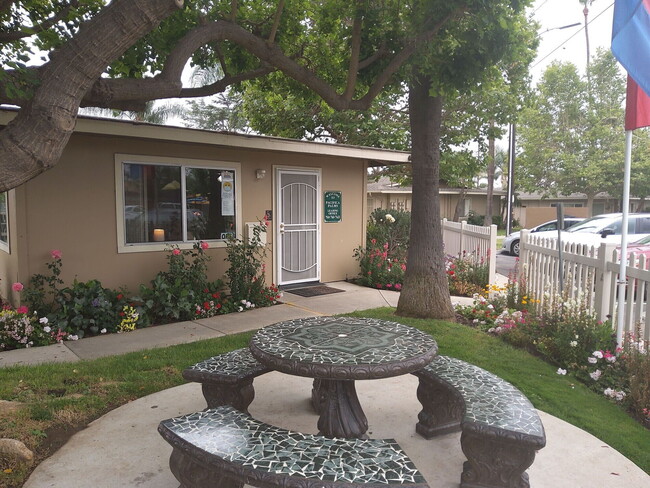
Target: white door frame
[{"x": 277, "y": 219}]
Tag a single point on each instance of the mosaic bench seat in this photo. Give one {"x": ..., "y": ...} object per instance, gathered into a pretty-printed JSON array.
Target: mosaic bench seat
[
  {"x": 227, "y": 379},
  {"x": 224, "y": 447},
  {"x": 501, "y": 430}
]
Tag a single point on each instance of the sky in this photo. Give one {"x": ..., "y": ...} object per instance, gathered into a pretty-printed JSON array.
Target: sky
[{"x": 570, "y": 44}]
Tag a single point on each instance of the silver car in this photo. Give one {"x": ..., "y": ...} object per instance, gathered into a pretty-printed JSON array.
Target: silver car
[{"x": 511, "y": 243}]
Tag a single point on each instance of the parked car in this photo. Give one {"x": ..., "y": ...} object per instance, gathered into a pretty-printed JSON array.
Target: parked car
[
  {"x": 511, "y": 242},
  {"x": 638, "y": 247},
  {"x": 604, "y": 228}
]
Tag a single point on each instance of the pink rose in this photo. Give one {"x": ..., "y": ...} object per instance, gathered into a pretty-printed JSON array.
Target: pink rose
[
  {"x": 56, "y": 254},
  {"x": 176, "y": 252},
  {"x": 204, "y": 245},
  {"x": 17, "y": 286},
  {"x": 22, "y": 309}
]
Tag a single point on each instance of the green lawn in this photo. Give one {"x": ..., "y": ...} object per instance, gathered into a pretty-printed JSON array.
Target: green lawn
[{"x": 71, "y": 395}]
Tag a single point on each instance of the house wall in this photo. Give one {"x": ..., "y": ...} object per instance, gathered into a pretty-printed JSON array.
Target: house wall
[
  {"x": 72, "y": 207},
  {"x": 538, "y": 215}
]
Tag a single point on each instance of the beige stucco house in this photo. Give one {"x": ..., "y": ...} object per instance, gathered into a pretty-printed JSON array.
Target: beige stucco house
[{"x": 123, "y": 191}]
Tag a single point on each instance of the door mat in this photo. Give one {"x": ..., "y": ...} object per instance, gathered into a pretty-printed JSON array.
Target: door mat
[{"x": 313, "y": 291}]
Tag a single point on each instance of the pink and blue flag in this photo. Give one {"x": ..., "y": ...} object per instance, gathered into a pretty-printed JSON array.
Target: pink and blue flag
[{"x": 631, "y": 47}]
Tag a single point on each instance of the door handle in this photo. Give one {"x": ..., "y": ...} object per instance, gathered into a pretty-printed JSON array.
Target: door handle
[{"x": 281, "y": 227}]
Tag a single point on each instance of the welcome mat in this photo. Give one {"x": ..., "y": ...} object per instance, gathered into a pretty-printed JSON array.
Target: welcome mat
[{"x": 313, "y": 291}]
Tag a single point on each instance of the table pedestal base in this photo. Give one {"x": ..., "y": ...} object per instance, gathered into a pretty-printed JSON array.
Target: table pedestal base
[{"x": 340, "y": 411}]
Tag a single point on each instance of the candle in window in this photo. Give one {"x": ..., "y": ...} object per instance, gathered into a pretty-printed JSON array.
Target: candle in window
[{"x": 159, "y": 235}]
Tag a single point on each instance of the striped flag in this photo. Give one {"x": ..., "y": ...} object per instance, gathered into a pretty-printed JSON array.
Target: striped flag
[{"x": 631, "y": 47}]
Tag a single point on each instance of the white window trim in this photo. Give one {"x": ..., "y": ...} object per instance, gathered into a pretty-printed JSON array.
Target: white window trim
[
  {"x": 4, "y": 246},
  {"x": 121, "y": 159}
]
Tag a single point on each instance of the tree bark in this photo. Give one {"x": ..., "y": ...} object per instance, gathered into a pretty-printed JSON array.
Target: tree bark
[
  {"x": 425, "y": 292},
  {"x": 35, "y": 139}
]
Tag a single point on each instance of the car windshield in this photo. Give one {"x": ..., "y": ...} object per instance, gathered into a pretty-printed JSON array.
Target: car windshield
[
  {"x": 589, "y": 225},
  {"x": 645, "y": 240}
]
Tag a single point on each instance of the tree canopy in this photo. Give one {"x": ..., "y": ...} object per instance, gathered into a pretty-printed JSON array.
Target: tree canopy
[
  {"x": 571, "y": 137},
  {"x": 129, "y": 52}
]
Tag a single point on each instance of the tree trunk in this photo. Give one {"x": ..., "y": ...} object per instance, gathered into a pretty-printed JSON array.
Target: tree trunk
[
  {"x": 425, "y": 293},
  {"x": 459, "y": 210},
  {"x": 35, "y": 139},
  {"x": 490, "y": 180}
]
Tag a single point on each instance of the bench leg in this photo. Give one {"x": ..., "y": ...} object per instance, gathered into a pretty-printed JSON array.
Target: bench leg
[
  {"x": 442, "y": 408},
  {"x": 239, "y": 395},
  {"x": 191, "y": 474},
  {"x": 494, "y": 463}
]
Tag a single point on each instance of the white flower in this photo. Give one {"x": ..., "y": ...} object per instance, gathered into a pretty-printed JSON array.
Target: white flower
[
  {"x": 608, "y": 392},
  {"x": 611, "y": 359},
  {"x": 595, "y": 375},
  {"x": 43, "y": 320},
  {"x": 390, "y": 218},
  {"x": 47, "y": 329},
  {"x": 592, "y": 360},
  {"x": 598, "y": 354},
  {"x": 240, "y": 309},
  {"x": 561, "y": 371},
  {"x": 103, "y": 331},
  {"x": 73, "y": 337},
  {"x": 573, "y": 343},
  {"x": 490, "y": 306},
  {"x": 619, "y": 395}
]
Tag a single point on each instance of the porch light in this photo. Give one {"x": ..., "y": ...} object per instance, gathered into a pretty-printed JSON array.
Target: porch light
[{"x": 260, "y": 173}]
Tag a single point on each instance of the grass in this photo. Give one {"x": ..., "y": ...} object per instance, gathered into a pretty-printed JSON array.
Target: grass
[{"x": 58, "y": 399}]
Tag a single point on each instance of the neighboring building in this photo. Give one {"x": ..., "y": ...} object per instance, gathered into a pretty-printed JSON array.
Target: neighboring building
[
  {"x": 123, "y": 191},
  {"x": 532, "y": 209},
  {"x": 388, "y": 195}
]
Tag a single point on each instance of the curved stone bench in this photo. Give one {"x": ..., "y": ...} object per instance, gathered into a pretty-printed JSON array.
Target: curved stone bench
[
  {"x": 225, "y": 447},
  {"x": 501, "y": 430},
  {"x": 227, "y": 379}
]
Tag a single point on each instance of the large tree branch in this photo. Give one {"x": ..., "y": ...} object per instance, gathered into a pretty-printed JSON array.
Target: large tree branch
[
  {"x": 355, "y": 49},
  {"x": 36, "y": 28},
  {"x": 35, "y": 139}
]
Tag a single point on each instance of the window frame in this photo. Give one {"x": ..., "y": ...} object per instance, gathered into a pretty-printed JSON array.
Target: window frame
[
  {"x": 4, "y": 246},
  {"x": 122, "y": 159}
]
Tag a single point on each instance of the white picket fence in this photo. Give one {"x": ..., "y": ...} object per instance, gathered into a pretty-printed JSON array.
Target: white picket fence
[
  {"x": 474, "y": 240},
  {"x": 590, "y": 274}
]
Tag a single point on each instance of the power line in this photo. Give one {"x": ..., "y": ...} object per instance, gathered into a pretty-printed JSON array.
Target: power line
[
  {"x": 574, "y": 34},
  {"x": 544, "y": 2}
]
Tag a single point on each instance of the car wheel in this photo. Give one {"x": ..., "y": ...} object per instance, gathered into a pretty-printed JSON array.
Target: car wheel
[{"x": 514, "y": 249}]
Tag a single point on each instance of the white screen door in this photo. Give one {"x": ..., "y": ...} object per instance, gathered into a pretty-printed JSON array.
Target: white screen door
[{"x": 297, "y": 226}]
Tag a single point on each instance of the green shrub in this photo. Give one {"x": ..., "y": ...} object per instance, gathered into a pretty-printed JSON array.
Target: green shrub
[
  {"x": 377, "y": 269},
  {"x": 245, "y": 276},
  {"x": 392, "y": 227},
  {"x": 183, "y": 292}
]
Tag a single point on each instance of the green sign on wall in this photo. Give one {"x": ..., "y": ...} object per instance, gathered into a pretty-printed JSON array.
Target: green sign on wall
[{"x": 332, "y": 206}]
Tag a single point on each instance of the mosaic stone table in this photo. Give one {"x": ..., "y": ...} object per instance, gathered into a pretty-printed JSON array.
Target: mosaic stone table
[{"x": 337, "y": 351}]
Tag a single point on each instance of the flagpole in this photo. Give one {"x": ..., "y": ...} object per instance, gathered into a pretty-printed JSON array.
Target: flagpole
[{"x": 622, "y": 273}]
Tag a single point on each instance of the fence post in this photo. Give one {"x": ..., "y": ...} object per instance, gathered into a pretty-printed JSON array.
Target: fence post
[
  {"x": 492, "y": 255},
  {"x": 603, "y": 283},
  {"x": 463, "y": 229}
]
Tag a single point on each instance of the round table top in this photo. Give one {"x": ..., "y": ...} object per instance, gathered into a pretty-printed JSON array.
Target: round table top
[{"x": 343, "y": 348}]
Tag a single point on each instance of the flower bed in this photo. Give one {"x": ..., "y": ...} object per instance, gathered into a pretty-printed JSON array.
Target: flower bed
[
  {"x": 567, "y": 334},
  {"x": 53, "y": 312}
]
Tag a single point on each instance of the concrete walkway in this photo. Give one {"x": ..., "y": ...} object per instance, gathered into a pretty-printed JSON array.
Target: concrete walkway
[{"x": 123, "y": 448}]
